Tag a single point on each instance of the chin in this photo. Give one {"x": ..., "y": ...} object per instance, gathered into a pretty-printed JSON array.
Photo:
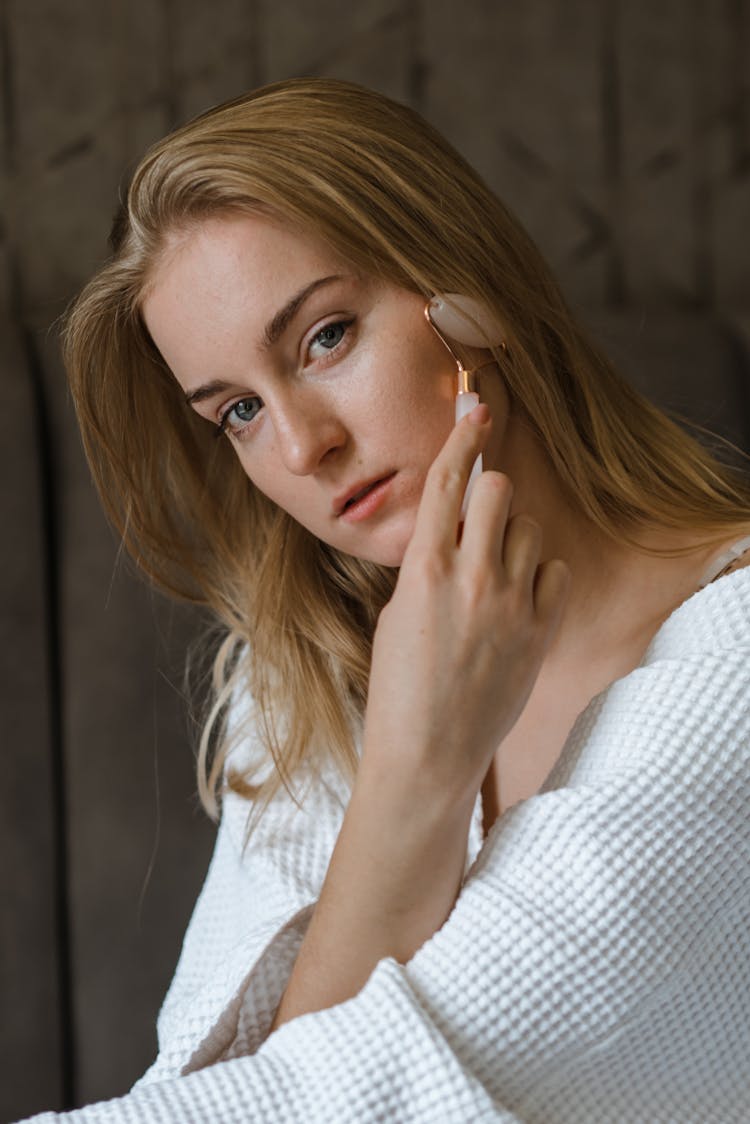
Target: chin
[
  {"x": 389, "y": 552},
  {"x": 393, "y": 560},
  {"x": 385, "y": 554},
  {"x": 383, "y": 546}
]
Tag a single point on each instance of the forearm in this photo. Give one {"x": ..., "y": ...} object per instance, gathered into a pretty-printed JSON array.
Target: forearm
[
  {"x": 455, "y": 655},
  {"x": 392, "y": 881}
]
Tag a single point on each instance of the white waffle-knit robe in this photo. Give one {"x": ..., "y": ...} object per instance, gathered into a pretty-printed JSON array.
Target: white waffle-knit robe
[{"x": 595, "y": 968}]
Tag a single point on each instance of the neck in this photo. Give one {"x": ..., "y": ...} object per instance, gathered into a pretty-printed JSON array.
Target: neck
[{"x": 620, "y": 593}]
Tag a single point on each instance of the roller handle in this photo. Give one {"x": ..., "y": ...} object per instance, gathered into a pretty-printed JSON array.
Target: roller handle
[{"x": 465, "y": 403}]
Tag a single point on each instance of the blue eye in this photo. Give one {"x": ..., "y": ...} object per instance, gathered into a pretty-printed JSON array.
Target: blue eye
[
  {"x": 330, "y": 337},
  {"x": 239, "y": 414}
]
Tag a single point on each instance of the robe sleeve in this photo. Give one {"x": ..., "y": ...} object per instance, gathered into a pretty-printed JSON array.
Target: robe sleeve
[
  {"x": 595, "y": 967},
  {"x": 251, "y": 916}
]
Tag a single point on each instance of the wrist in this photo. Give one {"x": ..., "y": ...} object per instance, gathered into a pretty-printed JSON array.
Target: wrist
[
  {"x": 415, "y": 836},
  {"x": 410, "y": 793},
  {"x": 392, "y": 881}
]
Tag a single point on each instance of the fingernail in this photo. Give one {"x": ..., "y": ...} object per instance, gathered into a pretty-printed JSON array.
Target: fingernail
[{"x": 480, "y": 414}]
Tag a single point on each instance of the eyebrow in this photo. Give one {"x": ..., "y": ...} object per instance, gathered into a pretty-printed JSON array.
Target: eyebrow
[{"x": 272, "y": 333}]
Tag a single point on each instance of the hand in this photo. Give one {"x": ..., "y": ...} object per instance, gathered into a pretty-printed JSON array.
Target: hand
[
  {"x": 456, "y": 653},
  {"x": 458, "y": 648}
]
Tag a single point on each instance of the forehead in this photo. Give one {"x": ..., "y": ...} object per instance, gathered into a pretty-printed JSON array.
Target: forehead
[
  {"x": 217, "y": 285},
  {"x": 220, "y": 252}
]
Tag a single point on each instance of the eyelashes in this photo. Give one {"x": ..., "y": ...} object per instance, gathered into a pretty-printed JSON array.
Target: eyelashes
[
  {"x": 224, "y": 426},
  {"x": 330, "y": 338}
]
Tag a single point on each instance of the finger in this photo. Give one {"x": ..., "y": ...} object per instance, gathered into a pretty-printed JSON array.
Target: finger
[
  {"x": 522, "y": 549},
  {"x": 486, "y": 519},
  {"x": 551, "y": 592},
  {"x": 439, "y": 509}
]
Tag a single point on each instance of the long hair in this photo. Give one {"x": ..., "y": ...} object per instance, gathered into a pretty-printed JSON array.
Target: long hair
[{"x": 397, "y": 202}]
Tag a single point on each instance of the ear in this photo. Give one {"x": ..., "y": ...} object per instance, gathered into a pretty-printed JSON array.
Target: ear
[{"x": 465, "y": 320}]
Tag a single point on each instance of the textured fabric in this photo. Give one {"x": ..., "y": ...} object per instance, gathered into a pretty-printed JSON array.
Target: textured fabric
[{"x": 596, "y": 965}]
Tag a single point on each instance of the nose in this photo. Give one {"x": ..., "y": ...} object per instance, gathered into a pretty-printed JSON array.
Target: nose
[{"x": 308, "y": 432}]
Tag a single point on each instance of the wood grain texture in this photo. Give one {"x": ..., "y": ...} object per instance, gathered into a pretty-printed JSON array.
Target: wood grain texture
[
  {"x": 519, "y": 92},
  {"x": 33, "y": 1011}
]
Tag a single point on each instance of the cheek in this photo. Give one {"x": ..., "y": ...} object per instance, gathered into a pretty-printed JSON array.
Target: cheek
[
  {"x": 439, "y": 398},
  {"x": 262, "y": 474},
  {"x": 437, "y": 409},
  {"x": 409, "y": 369}
]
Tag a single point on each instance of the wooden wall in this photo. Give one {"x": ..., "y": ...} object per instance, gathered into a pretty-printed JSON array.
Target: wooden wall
[{"x": 619, "y": 132}]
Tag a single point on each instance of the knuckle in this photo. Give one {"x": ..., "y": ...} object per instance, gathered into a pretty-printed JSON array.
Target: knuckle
[
  {"x": 517, "y": 603},
  {"x": 498, "y": 481},
  {"x": 475, "y": 588},
  {"x": 526, "y": 525},
  {"x": 445, "y": 478},
  {"x": 495, "y": 489},
  {"x": 432, "y": 568}
]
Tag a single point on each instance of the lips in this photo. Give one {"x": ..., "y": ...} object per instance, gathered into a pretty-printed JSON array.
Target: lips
[{"x": 345, "y": 501}]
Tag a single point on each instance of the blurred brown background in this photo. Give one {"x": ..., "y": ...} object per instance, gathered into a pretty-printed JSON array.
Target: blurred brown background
[{"x": 619, "y": 132}]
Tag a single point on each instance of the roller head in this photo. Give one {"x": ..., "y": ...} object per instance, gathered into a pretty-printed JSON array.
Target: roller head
[{"x": 464, "y": 320}]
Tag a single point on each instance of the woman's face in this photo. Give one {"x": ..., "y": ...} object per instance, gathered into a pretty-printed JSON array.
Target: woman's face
[{"x": 334, "y": 391}]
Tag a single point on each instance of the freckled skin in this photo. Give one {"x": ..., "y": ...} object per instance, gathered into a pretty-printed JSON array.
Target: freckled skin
[{"x": 379, "y": 401}]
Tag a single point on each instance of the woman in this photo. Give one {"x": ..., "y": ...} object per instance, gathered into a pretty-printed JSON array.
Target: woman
[{"x": 474, "y": 922}]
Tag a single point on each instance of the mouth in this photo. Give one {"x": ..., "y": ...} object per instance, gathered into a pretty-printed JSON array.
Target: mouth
[{"x": 359, "y": 502}]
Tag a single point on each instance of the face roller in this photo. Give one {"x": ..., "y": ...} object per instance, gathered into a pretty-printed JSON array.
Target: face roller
[{"x": 466, "y": 321}]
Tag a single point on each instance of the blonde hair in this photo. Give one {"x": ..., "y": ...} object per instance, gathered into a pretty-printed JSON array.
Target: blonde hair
[{"x": 395, "y": 200}]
